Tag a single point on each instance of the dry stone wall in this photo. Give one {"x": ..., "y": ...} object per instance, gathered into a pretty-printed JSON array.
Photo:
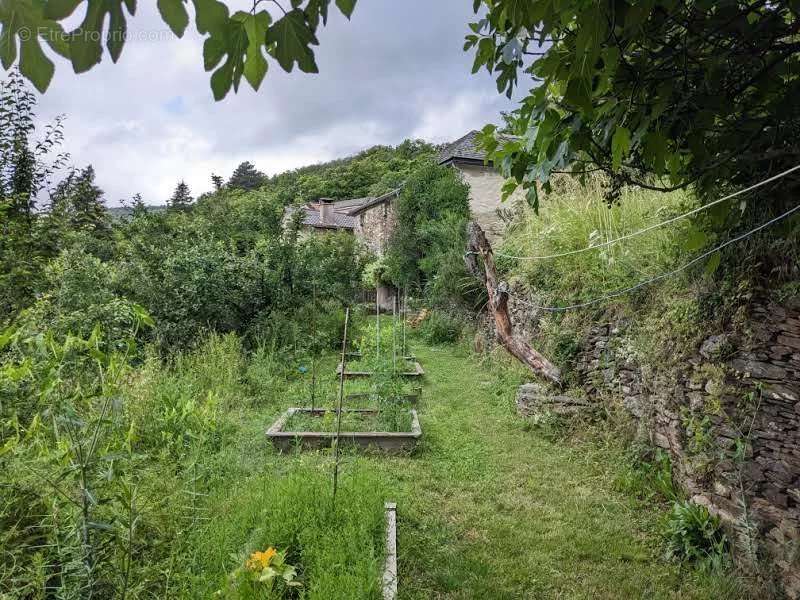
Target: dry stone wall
[{"x": 729, "y": 417}]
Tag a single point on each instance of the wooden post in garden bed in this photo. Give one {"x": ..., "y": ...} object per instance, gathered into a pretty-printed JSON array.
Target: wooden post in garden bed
[{"x": 478, "y": 245}]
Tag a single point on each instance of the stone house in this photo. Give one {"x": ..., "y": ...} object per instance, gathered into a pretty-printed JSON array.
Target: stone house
[
  {"x": 371, "y": 219},
  {"x": 375, "y": 220},
  {"x": 485, "y": 184}
]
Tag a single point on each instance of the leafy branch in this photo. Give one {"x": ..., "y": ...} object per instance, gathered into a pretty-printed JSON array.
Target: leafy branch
[{"x": 236, "y": 45}]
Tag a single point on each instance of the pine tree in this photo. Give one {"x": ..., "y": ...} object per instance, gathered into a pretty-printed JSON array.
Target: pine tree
[
  {"x": 246, "y": 177},
  {"x": 217, "y": 182},
  {"x": 181, "y": 198},
  {"x": 138, "y": 207},
  {"x": 79, "y": 201}
]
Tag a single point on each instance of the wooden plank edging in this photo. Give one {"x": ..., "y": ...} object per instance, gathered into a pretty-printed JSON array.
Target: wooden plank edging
[{"x": 390, "y": 566}]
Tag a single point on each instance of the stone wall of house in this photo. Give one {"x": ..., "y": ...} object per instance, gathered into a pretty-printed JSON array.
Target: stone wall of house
[
  {"x": 729, "y": 417},
  {"x": 375, "y": 226},
  {"x": 485, "y": 203}
]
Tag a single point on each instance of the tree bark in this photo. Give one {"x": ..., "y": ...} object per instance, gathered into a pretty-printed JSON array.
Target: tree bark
[{"x": 478, "y": 245}]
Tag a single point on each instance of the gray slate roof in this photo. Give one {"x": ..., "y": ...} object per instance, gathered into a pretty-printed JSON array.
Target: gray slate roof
[
  {"x": 345, "y": 212},
  {"x": 371, "y": 202},
  {"x": 340, "y": 220},
  {"x": 464, "y": 148}
]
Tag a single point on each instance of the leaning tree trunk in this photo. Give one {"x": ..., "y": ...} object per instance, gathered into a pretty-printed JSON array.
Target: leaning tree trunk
[{"x": 478, "y": 245}]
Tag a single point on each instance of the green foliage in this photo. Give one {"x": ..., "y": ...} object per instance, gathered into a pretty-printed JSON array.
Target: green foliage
[
  {"x": 246, "y": 177},
  {"x": 667, "y": 313},
  {"x": 441, "y": 328},
  {"x": 372, "y": 172},
  {"x": 235, "y": 44},
  {"x": 80, "y": 296},
  {"x": 181, "y": 198},
  {"x": 227, "y": 266},
  {"x": 77, "y": 203},
  {"x": 694, "y": 535},
  {"x": 26, "y": 165},
  {"x": 660, "y": 94},
  {"x": 333, "y": 262},
  {"x": 375, "y": 273},
  {"x": 649, "y": 477},
  {"x": 192, "y": 283},
  {"x": 67, "y": 462},
  {"x": 427, "y": 245}
]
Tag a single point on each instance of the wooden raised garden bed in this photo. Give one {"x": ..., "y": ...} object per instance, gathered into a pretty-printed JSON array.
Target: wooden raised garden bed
[
  {"x": 385, "y": 441},
  {"x": 416, "y": 371}
]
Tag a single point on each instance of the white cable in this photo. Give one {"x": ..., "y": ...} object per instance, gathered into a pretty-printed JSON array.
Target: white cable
[
  {"x": 657, "y": 225},
  {"x": 662, "y": 275}
]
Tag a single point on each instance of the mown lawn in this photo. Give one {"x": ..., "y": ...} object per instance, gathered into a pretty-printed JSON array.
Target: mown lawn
[{"x": 487, "y": 507}]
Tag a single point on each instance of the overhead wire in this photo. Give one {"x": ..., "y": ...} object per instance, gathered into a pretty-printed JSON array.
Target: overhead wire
[
  {"x": 662, "y": 276},
  {"x": 656, "y": 225}
]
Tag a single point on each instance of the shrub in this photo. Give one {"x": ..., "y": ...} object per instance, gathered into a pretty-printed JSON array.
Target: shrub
[
  {"x": 694, "y": 535},
  {"x": 426, "y": 248},
  {"x": 441, "y": 328},
  {"x": 78, "y": 297},
  {"x": 648, "y": 477}
]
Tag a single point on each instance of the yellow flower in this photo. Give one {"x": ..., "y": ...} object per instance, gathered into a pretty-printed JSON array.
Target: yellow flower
[{"x": 259, "y": 561}]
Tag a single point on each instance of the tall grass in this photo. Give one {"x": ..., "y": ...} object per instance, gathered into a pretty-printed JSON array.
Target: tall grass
[
  {"x": 575, "y": 217},
  {"x": 338, "y": 549}
]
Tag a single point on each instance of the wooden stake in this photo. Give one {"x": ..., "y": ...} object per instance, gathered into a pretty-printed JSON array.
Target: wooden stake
[
  {"x": 377, "y": 324},
  {"x": 403, "y": 316},
  {"x": 394, "y": 334},
  {"x": 313, "y": 352},
  {"x": 478, "y": 245},
  {"x": 339, "y": 407}
]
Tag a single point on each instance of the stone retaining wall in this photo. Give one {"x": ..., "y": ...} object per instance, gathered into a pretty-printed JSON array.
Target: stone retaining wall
[{"x": 729, "y": 417}]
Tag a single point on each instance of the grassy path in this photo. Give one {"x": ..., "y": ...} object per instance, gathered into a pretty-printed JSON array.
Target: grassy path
[{"x": 488, "y": 508}]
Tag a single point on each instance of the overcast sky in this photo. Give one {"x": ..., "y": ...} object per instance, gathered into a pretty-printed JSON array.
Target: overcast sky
[{"x": 397, "y": 70}]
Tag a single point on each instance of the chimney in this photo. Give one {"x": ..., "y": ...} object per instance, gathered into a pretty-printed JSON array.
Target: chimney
[{"x": 326, "y": 211}]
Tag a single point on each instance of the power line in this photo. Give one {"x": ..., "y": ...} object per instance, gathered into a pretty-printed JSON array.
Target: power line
[
  {"x": 662, "y": 276},
  {"x": 657, "y": 225}
]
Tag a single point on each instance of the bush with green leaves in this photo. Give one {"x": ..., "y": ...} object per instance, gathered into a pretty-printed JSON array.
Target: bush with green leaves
[
  {"x": 80, "y": 295},
  {"x": 427, "y": 245},
  {"x": 648, "y": 475},
  {"x": 441, "y": 328},
  {"x": 694, "y": 535}
]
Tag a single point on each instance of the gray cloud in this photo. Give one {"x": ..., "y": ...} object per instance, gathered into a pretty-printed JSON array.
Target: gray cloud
[{"x": 396, "y": 71}]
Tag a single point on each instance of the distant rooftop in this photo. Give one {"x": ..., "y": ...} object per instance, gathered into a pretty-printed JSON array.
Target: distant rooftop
[
  {"x": 344, "y": 213},
  {"x": 464, "y": 149},
  {"x": 340, "y": 217},
  {"x": 339, "y": 220}
]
